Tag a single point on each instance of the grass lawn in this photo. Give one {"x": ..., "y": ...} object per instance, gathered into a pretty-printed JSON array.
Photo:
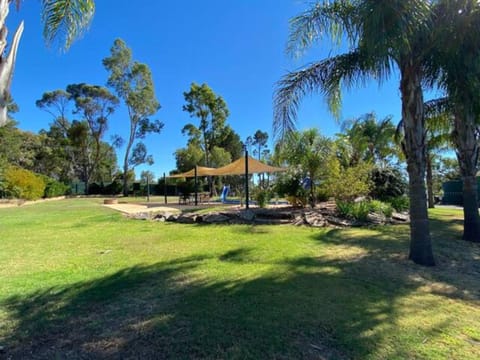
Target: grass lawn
[{"x": 78, "y": 280}]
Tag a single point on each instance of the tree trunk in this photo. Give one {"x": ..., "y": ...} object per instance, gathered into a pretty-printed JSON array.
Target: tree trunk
[
  {"x": 465, "y": 137},
  {"x": 415, "y": 152},
  {"x": 431, "y": 199},
  {"x": 7, "y": 63}
]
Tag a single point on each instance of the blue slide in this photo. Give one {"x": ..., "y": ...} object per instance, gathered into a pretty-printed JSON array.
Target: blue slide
[{"x": 223, "y": 196}]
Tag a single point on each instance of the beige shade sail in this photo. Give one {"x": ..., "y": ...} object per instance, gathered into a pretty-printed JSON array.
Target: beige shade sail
[
  {"x": 201, "y": 171},
  {"x": 235, "y": 168},
  {"x": 254, "y": 166}
]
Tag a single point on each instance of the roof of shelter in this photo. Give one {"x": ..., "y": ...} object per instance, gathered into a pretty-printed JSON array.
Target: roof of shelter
[
  {"x": 235, "y": 168},
  {"x": 254, "y": 166},
  {"x": 201, "y": 171}
]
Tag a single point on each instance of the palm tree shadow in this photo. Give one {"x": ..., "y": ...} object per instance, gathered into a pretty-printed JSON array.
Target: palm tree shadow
[{"x": 313, "y": 307}]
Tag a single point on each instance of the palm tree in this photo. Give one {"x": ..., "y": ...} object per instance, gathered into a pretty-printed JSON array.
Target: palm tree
[
  {"x": 438, "y": 137},
  {"x": 63, "y": 19},
  {"x": 456, "y": 68},
  {"x": 371, "y": 139},
  {"x": 381, "y": 35}
]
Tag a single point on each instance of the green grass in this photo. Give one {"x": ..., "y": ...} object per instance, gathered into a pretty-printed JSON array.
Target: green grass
[{"x": 78, "y": 280}]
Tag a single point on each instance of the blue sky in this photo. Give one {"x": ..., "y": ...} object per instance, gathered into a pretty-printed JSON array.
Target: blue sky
[{"x": 236, "y": 47}]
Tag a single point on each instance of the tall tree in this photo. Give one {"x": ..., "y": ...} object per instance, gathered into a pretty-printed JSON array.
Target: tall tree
[
  {"x": 211, "y": 110},
  {"x": 133, "y": 83},
  {"x": 380, "y": 35},
  {"x": 456, "y": 59},
  {"x": 63, "y": 19},
  {"x": 371, "y": 139},
  {"x": 94, "y": 104}
]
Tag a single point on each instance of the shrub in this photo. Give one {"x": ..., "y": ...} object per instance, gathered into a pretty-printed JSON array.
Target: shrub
[
  {"x": 346, "y": 184},
  {"x": 400, "y": 203},
  {"x": 353, "y": 210},
  {"x": 380, "y": 207},
  {"x": 55, "y": 188},
  {"x": 262, "y": 197},
  {"x": 23, "y": 184},
  {"x": 387, "y": 183}
]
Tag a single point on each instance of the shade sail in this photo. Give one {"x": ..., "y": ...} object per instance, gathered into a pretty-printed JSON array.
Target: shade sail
[
  {"x": 254, "y": 166},
  {"x": 235, "y": 168},
  {"x": 201, "y": 171}
]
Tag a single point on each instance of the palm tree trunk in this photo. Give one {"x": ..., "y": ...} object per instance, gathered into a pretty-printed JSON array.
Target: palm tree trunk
[
  {"x": 467, "y": 153},
  {"x": 415, "y": 152},
  {"x": 431, "y": 199}
]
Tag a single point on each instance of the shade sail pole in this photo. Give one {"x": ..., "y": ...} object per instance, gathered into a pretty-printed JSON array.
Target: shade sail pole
[
  {"x": 246, "y": 178},
  {"x": 165, "y": 187},
  {"x": 196, "y": 186}
]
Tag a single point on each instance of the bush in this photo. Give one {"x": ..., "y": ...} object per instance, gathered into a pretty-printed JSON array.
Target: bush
[
  {"x": 262, "y": 197},
  {"x": 346, "y": 184},
  {"x": 400, "y": 203},
  {"x": 380, "y": 207},
  {"x": 23, "y": 184},
  {"x": 353, "y": 210},
  {"x": 360, "y": 210},
  {"x": 55, "y": 188},
  {"x": 387, "y": 183}
]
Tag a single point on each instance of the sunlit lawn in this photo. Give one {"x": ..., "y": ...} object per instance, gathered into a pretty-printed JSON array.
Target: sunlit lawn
[{"x": 78, "y": 280}]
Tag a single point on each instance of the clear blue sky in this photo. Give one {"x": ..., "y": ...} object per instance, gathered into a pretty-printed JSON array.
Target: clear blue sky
[{"x": 236, "y": 47}]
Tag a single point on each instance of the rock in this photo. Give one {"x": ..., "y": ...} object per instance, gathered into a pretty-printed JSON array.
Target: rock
[
  {"x": 172, "y": 218},
  {"x": 401, "y": 217},
  {"x": 247, "y": 215},
  {"x": 186, "y": 219},
  {"x": 337, "y": 221},
  {"x": 215, "y": 218},
  {"x": 314, "y": 219},
  {"x": 376, "y": 218}
]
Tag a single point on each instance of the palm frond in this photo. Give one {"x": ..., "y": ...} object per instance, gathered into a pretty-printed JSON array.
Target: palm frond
[
  {"x": 326, "y": 77},
  {"x": 66, "y": 20},
  {"x": 325, "y": 18}
]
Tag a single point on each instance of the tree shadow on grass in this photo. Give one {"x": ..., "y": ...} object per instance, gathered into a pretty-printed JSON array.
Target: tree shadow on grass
[{"x": 312, "y": 307}]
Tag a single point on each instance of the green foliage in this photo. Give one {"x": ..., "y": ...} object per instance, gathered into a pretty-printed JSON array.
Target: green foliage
[
  {"x": 381, "y": 207},
  {"x": 359, "y": 210},
  {"x": 353, "y": 210},
  {"x": 23, "y": 184},
  {"x": 346, "y": 184},
  {"x": 387, "y": 183},
  {"x": 54, "y": 188},
  {"x": 262, "y": 196},
  {"x": 400, "y": 203}
]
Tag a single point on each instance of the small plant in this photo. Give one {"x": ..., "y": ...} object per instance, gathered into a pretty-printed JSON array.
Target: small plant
[
  {"x": 380, "y": 207},
  {"x": 353, "y": 210},
  {"x": 262, "y": 197},
  {"x": 400, "y": 203}
]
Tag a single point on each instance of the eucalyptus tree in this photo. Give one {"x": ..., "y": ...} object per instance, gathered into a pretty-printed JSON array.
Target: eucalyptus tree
[
  {"x": 94, "y": 104},
  {"x": 456, "y": 59},
  {"x": 211, "y": 110},
  {"x": 63, "y": 19},
  {"x": 133, "y": 83},
  {"x": 381, "y": 36}
]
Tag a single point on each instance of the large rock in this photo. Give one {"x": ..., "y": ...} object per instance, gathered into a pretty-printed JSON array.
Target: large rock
[
  {"x": 247, "y": 215},
  {"x": 314, "y": 219},
  {"x": 186, "y": 219},
  {"x": 376, "y": 218},
  {"x": 215, "y": 218}
]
